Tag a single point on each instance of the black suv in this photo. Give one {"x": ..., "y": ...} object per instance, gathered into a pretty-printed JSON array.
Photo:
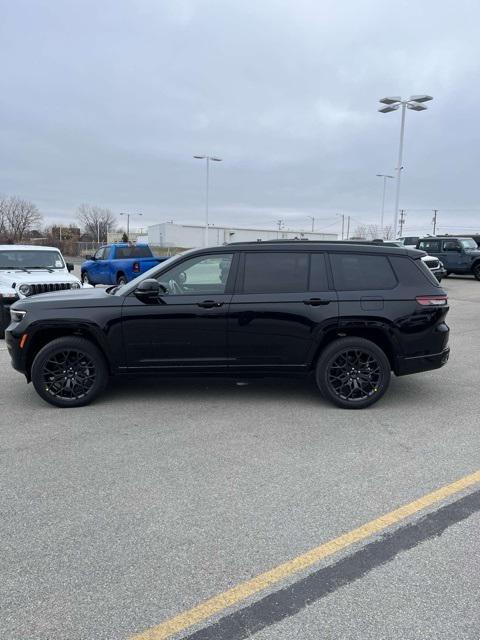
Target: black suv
[
  {"x": 350, "y": 314},
  {"x": 458, "y": 254}
]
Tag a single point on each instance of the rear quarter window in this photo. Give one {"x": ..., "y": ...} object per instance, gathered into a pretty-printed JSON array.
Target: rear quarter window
[
  {"x": 358, "y": 272},
  {"x": 412, "y": 272}
]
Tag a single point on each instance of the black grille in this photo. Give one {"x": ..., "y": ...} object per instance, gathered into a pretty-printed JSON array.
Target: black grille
[
  {"x": 48, "y": 287},
  {"x": 432, "y": 264}
]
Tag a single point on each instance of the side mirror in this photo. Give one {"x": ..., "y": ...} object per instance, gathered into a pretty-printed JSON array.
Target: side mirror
[
  {"x": 149, "y": 289},
  {"x": 70, "y": 266}
]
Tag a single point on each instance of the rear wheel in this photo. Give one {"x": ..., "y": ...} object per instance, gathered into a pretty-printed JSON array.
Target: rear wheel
[
  {"x": 476, "y": 271},
  {"x": 69, "y": 372},
  {"x": 353, "y": 373},
  {"x": 121, "y": 279}
]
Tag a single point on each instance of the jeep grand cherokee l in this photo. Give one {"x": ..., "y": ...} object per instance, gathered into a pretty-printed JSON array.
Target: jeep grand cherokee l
[{"x": 349, "y": 314}]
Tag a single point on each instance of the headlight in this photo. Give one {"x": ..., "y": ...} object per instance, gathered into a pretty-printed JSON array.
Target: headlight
[
  {"x": 16, "y": 315},
  {"x": 24, "y": 289},
  {"x": 75, "y": 285}
]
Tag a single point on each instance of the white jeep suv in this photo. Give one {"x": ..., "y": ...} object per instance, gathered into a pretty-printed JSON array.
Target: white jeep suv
[{"x": 28, "y": 270}]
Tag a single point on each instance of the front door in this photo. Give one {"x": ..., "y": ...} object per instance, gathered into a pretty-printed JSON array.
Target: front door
[
  {"x": 187, "y": 326},
  {"x": 280, "y": 311}
]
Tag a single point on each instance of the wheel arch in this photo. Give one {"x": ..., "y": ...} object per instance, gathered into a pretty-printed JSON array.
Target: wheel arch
[{"x": 45, "y": 335}]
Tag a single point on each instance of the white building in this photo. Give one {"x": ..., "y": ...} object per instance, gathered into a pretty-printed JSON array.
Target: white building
[{"x": 168, "y": 234}]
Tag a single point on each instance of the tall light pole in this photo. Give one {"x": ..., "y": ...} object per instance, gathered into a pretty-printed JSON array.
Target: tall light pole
[
  {"x": 392, "y": 104},
  {"x": 385, "y": 178},
  {"x": 207, "y": 159},
  {"x": 313, "y": 222},
  {"x": 128, "y": 221}
]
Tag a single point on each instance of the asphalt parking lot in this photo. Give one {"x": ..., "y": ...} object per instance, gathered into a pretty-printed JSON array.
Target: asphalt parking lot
[{"x": 119, "y": 516}]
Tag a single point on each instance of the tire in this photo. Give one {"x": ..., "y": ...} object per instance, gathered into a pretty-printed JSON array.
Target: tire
[
  {"x": 71, "y": 390},
  {"x": 476, "y": 271},
  {"x": 347, "y": 356},
  {"x": 85, "y": 279},
  {"x": 121, "y": 280},
  {"x": 447, "y": 274}
]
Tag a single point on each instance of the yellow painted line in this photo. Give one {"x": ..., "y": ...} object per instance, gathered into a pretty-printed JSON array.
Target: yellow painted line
[{"x": 243, "y": 590}]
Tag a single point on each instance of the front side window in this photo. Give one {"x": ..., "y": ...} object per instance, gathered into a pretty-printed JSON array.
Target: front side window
[
  {"x": 100, "y": 254},
  {"x": 358, "y": 272},
  {"x": 452, "y": 245},
  {"x": 430, "y": 246},
  {"x": 200, "y": 275},
  {"x": 275, "y": 272}
]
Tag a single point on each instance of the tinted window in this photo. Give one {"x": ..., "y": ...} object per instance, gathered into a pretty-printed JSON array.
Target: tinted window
[
  {"x": 430, "y": 246},
  {"x": 133, "y": 252},
  {"x": 412, "y": 272},
  {"x": 355, "y": 272},
  {"x": 275, "y": 272},
  {"x": 318, "y": 272},
  {"x": 411, "y": 240},
  {"x": 451, "y": 245}
]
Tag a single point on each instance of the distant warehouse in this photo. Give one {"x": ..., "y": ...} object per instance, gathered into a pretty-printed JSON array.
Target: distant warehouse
[{"x": 168, "y": 234}]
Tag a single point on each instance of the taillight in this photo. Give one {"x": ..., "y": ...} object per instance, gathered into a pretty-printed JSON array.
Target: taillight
[
  {"x": 432, "y": 301},
  {"x": 136, "y": 267}
]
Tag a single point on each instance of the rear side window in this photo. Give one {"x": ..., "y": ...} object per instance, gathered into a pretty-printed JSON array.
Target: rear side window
[
  {"x": 275, "y": 272},
  {"x": 132, "y": 252},
  {"x": 430, "y": 246},
  {"x": 358, "y": 272}
]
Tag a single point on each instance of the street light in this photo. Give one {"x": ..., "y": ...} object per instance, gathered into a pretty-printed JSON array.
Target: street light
[
  {"x": 385, "y": 178},
  {"x": 207, "y": 159},
  {"x": 128, "y": 221},
  {"x": 392, "y": 104}
]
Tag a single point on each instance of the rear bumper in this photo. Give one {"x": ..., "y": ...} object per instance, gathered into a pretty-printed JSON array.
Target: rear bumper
[{"x": 417, "y": 364}]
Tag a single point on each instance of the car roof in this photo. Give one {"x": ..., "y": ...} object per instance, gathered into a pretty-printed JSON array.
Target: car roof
[
  {"x": 26, "y": 247},
  {"x": 345, "y": 246}
]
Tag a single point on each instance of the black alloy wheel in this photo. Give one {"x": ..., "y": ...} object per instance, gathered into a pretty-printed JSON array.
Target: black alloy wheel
[
  {"x": 353, "y": 372},
  {"x": 69, "y": 372},
  {"x": 476, "y": 271}
]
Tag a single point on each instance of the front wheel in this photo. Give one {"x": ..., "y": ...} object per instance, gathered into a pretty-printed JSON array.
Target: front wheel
[
  {"x": 69, "y": 372},
  {"x": 353, "y": 373},
  {"x": 85, "y": 279},
  {"x": 476, "y": 271}
]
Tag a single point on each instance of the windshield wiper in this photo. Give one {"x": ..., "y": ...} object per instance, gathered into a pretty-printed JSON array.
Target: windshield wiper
[{"x": 49, "y": 269}]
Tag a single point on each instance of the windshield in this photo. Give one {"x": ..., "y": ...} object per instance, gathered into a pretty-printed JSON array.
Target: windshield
[
  {"x": 468, "y": 243},
  {"x": 151, "y": 273},
  {"x": 12, "y": 259}
]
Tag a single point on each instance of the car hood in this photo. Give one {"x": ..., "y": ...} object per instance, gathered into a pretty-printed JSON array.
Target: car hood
[
  {"x": 71, "y": 298},
  {"x": 36, "y": 276}
]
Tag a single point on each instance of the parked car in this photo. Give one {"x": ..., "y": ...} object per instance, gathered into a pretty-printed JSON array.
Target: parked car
[
  {"x": 459, "y": 255},
  {"x": 409, "y": 242},
  {"x": 29, "y": 270},
  {"x": 118, "y": 263},
  {"x": 349, "y": 314}
]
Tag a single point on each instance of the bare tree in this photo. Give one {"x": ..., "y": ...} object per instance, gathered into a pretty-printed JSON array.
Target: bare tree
[
  {"x": 388, "y": 232},
  {"x": 17, "y": 218},
  {"x": 96, "y": 221},
  {"x": 360, "y": 232}
]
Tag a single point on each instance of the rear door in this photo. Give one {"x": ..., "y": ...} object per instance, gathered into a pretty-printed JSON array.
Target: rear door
[{"x": 282, "y": 306}]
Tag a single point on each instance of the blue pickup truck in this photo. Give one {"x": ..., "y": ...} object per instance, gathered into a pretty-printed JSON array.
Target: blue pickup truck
[{"x": 118, "y": 263}]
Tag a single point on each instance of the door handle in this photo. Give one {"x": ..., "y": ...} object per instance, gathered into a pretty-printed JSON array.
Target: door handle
[
  {"x": 209, "y": 304},
  {"x": 316, "y": 302}
]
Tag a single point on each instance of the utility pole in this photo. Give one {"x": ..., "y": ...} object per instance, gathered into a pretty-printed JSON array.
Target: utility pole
[
  {"x": 348, "y": 227},
  {"x": 402, "y": 220},
  {"x": 280, "y": 226},
  {"x": 343, "y": 225},
  {"x": 434, "y": 220},
  {"x": 313, "y": 222}
]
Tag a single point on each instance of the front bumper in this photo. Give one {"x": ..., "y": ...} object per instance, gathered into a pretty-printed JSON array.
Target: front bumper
[
  {"x": 439, "y": 273},
  {"x": 417, "y": 364},
  {"x": 17, "y": 355}
]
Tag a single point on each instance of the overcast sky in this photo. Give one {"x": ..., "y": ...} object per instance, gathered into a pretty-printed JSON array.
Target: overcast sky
[{"x": 105, "y": 101}]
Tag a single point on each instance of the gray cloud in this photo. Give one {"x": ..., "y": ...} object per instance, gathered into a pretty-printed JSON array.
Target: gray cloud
[{"x": 106, "y": 102}]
